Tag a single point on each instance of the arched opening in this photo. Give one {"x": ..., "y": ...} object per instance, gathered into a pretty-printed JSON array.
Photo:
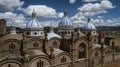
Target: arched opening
[
  {"x": 12, "y": 46},
  {"x": 54, "y": 43},
  {"x": 68, "y": 32},
  {"x": 40, "y": 63},
  {"x": 63, "y": 59},
  {"x": 96, "y": 54},
  {"x": 28, "y": 33},
  {"x": 35, "y": 44},
  {"x": 41, "y": 33},
  {"x": 11, "y": 63},
  {"x": 82, "y": 51},
  {"x": 35, "y": 33}
]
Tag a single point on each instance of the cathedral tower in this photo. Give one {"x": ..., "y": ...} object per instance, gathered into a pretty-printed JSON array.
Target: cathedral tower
[{"x": 2, "y": 27}]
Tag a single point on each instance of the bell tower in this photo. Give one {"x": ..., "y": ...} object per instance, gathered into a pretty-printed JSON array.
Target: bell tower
[{"x": 2, "y": 27}]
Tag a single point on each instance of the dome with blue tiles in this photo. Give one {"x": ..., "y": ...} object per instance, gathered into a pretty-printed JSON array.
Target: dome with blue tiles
[
  {"x": 89, "y": 26},
  {"x": 66, "y": 21},
  {"x": 34, "y": 23}
]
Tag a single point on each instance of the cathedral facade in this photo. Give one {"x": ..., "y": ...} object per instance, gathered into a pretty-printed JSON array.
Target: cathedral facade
[{"x": 86, "y": 47}]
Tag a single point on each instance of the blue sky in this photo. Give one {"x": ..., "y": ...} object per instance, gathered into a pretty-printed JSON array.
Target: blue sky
[
  {"x": 102, "y": 12},
  {"x": 61, "y": 5}
]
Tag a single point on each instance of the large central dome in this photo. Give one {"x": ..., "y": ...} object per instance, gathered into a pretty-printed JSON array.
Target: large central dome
[
  {"x": 34, "y": 27},
  {"x": 34, "y": 23},
  {"x": 66, "y": 22}
]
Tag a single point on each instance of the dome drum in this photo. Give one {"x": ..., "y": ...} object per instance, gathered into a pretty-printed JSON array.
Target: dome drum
[{"x": 34, "y": 33}]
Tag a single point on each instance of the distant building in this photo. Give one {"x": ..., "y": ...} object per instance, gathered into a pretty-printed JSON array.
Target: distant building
[{"x": 66, "y": 48}]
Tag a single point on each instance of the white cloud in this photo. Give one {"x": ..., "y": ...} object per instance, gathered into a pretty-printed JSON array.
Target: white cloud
[
  {"x": 41, "y": 11},
  {"x": 60, "y": 15},
  {"x": 72, "y": 1},
  {"x": 13, "y": 18},
  {"x": 50, "y": 23},
  {"x": 106, "y": 4},
  {"x": 99, "y": 17},
  {"x": 109, "y": 22},
  {"x": 91, "y": 9},
  {"x": 7, "y": 15},
  {"x": 90, "y": 0},
  {"x": 78, "y": 19},
  {"x": 20, "y": 20},
  {"x": 10, "y": 4}
]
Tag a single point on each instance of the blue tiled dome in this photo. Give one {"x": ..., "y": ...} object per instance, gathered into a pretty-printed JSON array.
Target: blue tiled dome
[
  {"x": 34, "y": 23},
  {"x": 89, "y": 26},
  {"x": 66, "y": 22}
]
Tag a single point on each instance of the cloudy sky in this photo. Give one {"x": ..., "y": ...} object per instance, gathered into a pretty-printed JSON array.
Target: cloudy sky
[{"x": 102, "y": 12}]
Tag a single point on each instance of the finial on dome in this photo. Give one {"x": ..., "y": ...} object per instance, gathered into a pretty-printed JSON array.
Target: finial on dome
[
  {"x": 33, "y": 14},
  {"x": 65, "y": 13},
  {"x": 89, "y": 19},
  {"x": 33, "y": 10}
]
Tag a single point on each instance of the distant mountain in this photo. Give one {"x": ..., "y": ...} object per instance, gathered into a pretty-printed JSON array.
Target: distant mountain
[{"x": 108, "y": 28}]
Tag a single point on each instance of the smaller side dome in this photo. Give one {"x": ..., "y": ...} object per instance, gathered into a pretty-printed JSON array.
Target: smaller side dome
[
  {"x": 89, "y": 26},
  {"x": 51, "y": 34}
]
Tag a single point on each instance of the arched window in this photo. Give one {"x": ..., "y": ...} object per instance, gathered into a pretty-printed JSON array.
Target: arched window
[
  {"x": 65, "y": 32},
  {"x": 9, "y": 65},
  {"x": 82, "y": 51},
  {"x": 35, "y": 44},
  {"x": 94, "y": 40},
  {"x": 68, "y": 32},
  {"x": 54, "y": 43},
  {"x": 63, "y": 59},
  {"x": 96, "y": 53},
  {"x": 12, "y": 46},
  {"x": 40, "y": 63}
]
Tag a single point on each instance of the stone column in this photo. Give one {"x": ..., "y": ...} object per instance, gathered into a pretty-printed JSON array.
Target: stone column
[
  {"x": 26, "y": 60},
  {"x": 102, "y": 55},
  {"x": 73, "y": 50},
  {"x": 113, "y": 49}
]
